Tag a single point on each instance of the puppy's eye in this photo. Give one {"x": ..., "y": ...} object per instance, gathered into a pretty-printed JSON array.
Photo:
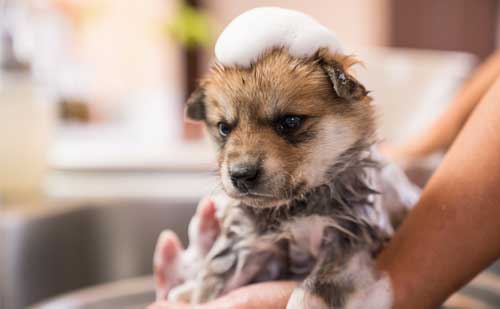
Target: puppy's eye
[
  {"x": 224, "y": 129},
  {"x": 292, "y": 122},
  {"x": 289, "y": 124}
]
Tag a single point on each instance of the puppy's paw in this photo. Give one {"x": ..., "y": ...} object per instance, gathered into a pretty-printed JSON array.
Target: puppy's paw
[
  {"x": 301, "y": 299},
  {"x": 166, "y": 263}
]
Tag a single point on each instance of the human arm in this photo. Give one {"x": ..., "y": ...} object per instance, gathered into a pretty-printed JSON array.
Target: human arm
[{"x": 453, "y": 232}]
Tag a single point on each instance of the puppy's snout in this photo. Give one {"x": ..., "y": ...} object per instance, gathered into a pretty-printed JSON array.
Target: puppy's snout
[{"x": 244, "y": 176}]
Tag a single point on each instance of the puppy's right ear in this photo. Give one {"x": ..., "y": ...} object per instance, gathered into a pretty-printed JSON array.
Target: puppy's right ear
[
  {"x": 336, "y": 68},
  {"x": 195, "y": 109}
]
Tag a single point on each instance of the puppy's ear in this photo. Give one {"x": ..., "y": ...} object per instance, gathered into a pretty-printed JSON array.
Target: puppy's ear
[
  {"x": 195, "y": 109},
  {"x": 344, "y": 84}
]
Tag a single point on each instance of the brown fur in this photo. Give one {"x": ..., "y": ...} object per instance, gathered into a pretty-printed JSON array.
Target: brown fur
[
  {"x": 314, "y": 212},
  {"x": 251, "y": 99}
]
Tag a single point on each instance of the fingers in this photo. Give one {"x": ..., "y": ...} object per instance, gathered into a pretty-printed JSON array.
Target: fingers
[
  {"x": 169, "y": 305},
  {"x": 165, "y": 262},
  {"x": 209, "y": 225},
  {"x": 206, "y": 210},
  {"x": 173, "y": 265},
  {"x": 272, "y": 294},
  {"x": 204, "y": 227}
]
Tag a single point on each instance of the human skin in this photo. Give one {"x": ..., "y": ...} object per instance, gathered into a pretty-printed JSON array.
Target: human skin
[
  {"x": 273, "y": 294},
  {"x": 453, "y": 232}
]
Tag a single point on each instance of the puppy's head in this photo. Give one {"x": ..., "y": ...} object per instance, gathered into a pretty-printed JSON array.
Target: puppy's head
[{"x": 282, "y": 123}]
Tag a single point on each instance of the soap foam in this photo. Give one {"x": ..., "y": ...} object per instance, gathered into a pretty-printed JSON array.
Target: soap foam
[{"x": 258, "y": 30}]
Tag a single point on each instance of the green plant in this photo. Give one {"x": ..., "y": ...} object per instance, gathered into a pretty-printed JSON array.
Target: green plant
[{"x": 190, "y": 27}]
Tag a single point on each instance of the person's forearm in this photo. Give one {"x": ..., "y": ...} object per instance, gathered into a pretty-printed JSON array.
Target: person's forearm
[
  {"x": 443, "y": 131},
  {"x": 454, "y": 231}
]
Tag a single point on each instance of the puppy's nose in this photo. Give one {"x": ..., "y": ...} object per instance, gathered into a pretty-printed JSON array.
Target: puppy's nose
[{"x": 244, "y": 176}]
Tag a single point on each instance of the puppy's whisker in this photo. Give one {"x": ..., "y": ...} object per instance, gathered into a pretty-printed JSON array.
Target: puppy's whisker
[{"x": 262, "y": 194}]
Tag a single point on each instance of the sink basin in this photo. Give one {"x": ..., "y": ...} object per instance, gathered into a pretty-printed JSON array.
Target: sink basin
[
  {"x": 99, "y": 257},
  {"x": 47, "y": 252},
  {"x": 132, "y": 293},
  {"x": 482, "y": 292}
]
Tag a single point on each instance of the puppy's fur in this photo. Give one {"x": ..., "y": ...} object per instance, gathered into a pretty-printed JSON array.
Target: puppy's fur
[{"x": 314, "y": 211}]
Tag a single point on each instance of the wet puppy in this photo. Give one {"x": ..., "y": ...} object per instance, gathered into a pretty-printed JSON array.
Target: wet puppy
[{"x": 309, "y": 198}]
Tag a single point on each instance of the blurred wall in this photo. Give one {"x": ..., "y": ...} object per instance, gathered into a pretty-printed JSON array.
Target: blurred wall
[
  {"x": 458, "y": 25},
  {"x": 356, "y": 22},
  {"x": 126, "y": 45}
]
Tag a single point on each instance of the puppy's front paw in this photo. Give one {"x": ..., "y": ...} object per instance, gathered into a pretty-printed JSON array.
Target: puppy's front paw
[{"x": 166, "y": 263}]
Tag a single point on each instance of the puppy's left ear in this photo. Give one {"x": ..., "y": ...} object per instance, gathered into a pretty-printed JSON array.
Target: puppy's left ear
[
  {"x": 344, "y": 84},
  {"x": 195, "y": 109}
]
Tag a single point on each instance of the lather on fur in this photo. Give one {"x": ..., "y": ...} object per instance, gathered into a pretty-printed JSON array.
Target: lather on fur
[{"x": 322, "y": 203}]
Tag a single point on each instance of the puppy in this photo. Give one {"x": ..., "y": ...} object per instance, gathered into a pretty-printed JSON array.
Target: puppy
[{"x": 310, "y": 199}]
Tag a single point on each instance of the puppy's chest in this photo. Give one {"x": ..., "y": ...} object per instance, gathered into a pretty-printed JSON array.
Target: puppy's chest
[
  {"x": 289, "y": 240},
  {"x": 319, "y": 216}
]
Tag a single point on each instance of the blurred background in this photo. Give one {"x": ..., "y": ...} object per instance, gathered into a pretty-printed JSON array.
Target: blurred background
[{"x": 95, "y": 156}]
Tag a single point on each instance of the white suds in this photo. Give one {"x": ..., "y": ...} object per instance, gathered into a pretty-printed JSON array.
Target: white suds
[
  {"x": 301, "y": 299},
  {"x": 261, "y": 29}
]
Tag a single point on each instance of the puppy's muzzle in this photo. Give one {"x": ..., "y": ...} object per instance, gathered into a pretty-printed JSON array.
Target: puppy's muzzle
[{"x": 244, "y": 176}]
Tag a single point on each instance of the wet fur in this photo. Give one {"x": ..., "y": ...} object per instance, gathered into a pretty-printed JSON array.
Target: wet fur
[
  {"x": 317, "y": 209},
  {"x": 251, "y": 100}
]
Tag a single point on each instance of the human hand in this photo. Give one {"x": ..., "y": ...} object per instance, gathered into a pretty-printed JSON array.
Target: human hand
[
  {"x": 173, "y": 264},
  {"x": 274, "y": 294},
  {"x": 203, "y": 230}
]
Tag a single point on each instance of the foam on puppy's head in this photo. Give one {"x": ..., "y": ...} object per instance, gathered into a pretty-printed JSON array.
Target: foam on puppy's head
[{"x": 256, "y": 31}]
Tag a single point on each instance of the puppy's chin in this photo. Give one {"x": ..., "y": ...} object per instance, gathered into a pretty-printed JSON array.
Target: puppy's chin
[{"x": 263, "y": 200}]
